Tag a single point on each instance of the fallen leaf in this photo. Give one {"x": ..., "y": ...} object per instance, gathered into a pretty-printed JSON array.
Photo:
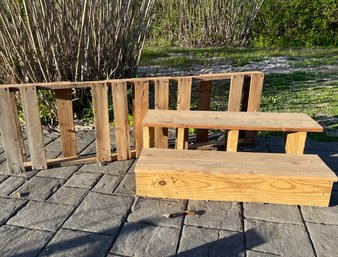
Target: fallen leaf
[
  {"x": 188, "y": 212},
  {"x": 168, "y": 215}
]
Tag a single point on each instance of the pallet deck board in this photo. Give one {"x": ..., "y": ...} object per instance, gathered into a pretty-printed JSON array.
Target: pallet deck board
[{"x": 297, "y": 122}]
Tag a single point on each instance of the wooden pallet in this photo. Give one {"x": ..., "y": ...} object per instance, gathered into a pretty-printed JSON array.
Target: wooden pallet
[
  {"x": 228, "y": 176},
  {"x": 246, "y": 84}
]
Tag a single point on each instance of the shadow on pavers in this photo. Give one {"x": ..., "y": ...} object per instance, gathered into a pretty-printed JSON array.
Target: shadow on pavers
[
  {"x": 225, "y": 246},
  {"x": 216, "y": 248}
]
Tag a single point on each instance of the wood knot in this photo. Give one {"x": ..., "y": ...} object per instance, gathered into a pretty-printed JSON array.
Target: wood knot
[{"x": 162, "y": 183}]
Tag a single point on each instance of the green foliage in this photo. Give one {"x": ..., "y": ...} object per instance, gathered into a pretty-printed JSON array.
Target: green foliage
[
  {"x": 297, "y": 23},
  {"x": 178, "y": 57},
  {"x": 203, "y": 22}
]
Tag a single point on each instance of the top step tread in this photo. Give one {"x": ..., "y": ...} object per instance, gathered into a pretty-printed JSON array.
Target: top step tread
[
  {"x": 239, "y": 164},
  {"x": 291, "y": 122}
]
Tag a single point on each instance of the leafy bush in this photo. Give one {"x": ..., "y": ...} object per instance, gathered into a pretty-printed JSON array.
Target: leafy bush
[{"x": 297, "y": 23}]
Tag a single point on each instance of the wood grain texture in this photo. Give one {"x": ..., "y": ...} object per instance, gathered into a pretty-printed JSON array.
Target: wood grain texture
[
  {"x": 257, "y": 177},
  {"x": 148, "y": 137},
  {"x": 64, "y": 106},
  {"x": 140, "y": 106},
  {"x": 235, "y": 94},
  {"x": 101, "y": 119},
  {"x": 265, "y": 121},
  {"x": 11, "y": 133},
  {"x": 30, "y": 105},
  {"x": 256, "y": 88},
  {"x": 224, "y": 76},
  {"x": 161, "y": 103},
  {"x": 88, "y": 84},
  {"x": 17, "y": 126},
  {"x": 119, "y": 90},
  {"x": 75, "y": 160},
  {"x": 234, "y": 105},
  {"x": 183, "y": 103},
  {"x": 295, "y": 142},
  {"x": 232, "y": 140},
  {"x": 204, "y": 101}
]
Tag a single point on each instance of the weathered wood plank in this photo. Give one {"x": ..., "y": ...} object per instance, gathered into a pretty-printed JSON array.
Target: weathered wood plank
[
  {"x": 204, "y": 175},
  {"x": 256, "y": 87},
  {"x": 204, "y": 101},
  {"x": 265, "y": 121},
  {"x": 75, "y": 160},
  {"x": 183, "y": 103},
  {"x": 119, "y": 91},
  {"x": 11, "y": 133},
  {"x": 295, "y": 142},
  {"x": 161, "y": 103},
  {"x": 64, "y": 106},
  {"x": 101, "y": 119},
  {"x": 141, "y": 106},
  {"x": 235, "y": 95},
  {"x": 234, "y": 105},
  {"x": 88, "y": 84},
  {"x": 30, "y": 106}
]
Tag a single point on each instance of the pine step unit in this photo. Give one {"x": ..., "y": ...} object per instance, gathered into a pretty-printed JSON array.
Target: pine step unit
[
  {"x": 296, "y": 125},
  {"x": 228, "y": 176}
]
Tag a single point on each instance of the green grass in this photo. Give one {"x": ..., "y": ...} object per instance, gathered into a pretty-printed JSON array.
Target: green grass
[
  {"x": 312, "y": 92},
  {"x": 177, "y": 57}
]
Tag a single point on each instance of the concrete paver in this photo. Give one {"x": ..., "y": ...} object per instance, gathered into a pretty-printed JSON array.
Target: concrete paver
[
  {"x": 278, "y": 238},
  {"x": 77, "y": 243},
  {"x": 8, "y": 207},
  {"x": 25, "y": 242},
  {"x": 42, "y": 216},
  {"x": 213, "y": 214},
  {"x": 100, "y": 213},
  {"x": 38, "y": 188},
  {"x": 197, "y": 241},
  {"x": 136, "y": 239},
  {"x": 151, "y": 211}
]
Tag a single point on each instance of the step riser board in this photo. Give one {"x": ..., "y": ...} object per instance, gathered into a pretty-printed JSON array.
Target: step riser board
[{"x": 199, "y": 186}]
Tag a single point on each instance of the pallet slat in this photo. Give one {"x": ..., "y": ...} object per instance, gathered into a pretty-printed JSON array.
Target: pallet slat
[
  {"x": 204, "y": 101},
  {"x": 141, "y": 106},
  {"x": 119, "y": 90},
  {"x": 183, "y": 103},
  {"x": 30, "y": 106},
  {"x": 161, "y": 103},
  {"x": 64, "y": 106},
  {"x": 11, "y": 132},
  {"x": 256, "y": 87},
  {"x": 101, "y": 119}
]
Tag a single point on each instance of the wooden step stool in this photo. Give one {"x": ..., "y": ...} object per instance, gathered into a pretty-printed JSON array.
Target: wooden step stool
[{"x": 291, "y": 178}]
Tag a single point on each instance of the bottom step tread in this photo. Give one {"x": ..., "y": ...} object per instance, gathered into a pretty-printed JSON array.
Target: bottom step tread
[{"x": 256, "y": 177}]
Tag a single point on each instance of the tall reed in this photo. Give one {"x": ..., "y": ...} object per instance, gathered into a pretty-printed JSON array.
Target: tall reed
[
  {"x": 71, "y": 40},
  {"x": 204, "y": 22}
]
